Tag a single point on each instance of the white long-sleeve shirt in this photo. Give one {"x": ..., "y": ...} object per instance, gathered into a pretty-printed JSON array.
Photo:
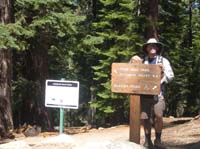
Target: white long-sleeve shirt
[{"x": 166, "y": 68}]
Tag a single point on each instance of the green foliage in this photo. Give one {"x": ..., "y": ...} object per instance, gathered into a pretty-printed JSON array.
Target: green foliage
[
  {"x": 172, "y": 20},
  {"x": 194, "y": 78},
  {"x": 56, "y": 22},
  {"x": 81, "y": 40},
  {"x": 6, "y": 38},
  {"x": 182, "y": 95},
  {"x": 117, "y": 30},
  {"x": 47, "y": 35}
]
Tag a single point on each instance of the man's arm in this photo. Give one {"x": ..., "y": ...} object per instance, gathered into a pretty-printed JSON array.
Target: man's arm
[{"x": 168, "y": 72}]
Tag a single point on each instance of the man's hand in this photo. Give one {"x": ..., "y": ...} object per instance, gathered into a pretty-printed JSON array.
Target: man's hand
[
  {"x": 162, "y": 72},
  {"x": 136, "y": 59}
]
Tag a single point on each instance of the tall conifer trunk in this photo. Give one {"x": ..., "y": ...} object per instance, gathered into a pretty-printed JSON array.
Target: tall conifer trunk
[
  {"x": 34, "y": 110},
  {"x": 6, "y": 121},
  {"x": 40, "y": 64},
  {"x": 152, "y": 30}
]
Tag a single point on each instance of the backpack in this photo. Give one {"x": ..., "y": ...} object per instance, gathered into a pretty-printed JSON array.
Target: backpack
[{"x": 159, "y": 59}]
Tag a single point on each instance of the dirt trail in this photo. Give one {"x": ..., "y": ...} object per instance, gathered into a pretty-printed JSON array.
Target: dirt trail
[
  {"x": 177, "y": 133},
  {"x": 180, "y": 133}
]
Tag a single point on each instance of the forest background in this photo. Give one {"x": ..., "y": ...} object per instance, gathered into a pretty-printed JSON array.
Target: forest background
[{"x": 79, "y": 40}]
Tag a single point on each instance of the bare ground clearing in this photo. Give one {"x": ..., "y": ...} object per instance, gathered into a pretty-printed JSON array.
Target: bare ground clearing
[{"x": 178, "y": 133}]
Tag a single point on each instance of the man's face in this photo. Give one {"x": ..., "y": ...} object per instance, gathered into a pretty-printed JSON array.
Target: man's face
[{"x": 152, "y": 48}]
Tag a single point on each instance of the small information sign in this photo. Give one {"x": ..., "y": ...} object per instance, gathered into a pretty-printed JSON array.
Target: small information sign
[
  {"x": 62, "y": 94},
  {"x": 136, "y": 78}
]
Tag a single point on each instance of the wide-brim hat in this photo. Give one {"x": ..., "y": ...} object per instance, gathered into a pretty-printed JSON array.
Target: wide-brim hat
[{"x": 153, "y": 41}]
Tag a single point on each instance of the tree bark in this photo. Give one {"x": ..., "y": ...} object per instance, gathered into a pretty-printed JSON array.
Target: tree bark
[
  {"x": 6, "y": 122},
  {"x": 40, "y": 64},
  {"x": 152, "y": 30},
  {"x": 37, "y": 58}
]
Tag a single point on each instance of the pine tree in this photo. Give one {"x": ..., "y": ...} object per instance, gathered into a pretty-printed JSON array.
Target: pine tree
[
  {"x": 47, "y": 31},
  {"x": 175, "y": 28},
  {"x": 6, "y": 122},
  {"x": 193, "y": 100},
  {"x": 115, "y": 39}
]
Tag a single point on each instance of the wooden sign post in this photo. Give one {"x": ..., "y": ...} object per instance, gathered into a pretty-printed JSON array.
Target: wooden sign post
[
  {"x": 135, "y": 79},
  {"x": 134, "y": 122}
]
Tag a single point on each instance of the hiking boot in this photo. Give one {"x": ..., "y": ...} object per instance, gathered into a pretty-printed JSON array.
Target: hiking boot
[
  {"x": 158, "y": 144},
  {"x": 148, "y": 144}
]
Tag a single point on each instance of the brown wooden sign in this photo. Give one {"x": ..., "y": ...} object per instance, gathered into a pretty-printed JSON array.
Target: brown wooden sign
[{"x": 136, "y": 78}]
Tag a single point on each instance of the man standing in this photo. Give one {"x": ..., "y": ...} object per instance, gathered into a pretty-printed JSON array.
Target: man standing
[{"x": 152, "y": 107}]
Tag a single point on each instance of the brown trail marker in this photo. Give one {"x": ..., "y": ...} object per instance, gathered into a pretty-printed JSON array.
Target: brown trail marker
[{"x": 135, "y": 79}]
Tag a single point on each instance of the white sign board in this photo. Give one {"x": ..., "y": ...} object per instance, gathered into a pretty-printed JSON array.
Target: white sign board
[{"x": 62, "y": 94}]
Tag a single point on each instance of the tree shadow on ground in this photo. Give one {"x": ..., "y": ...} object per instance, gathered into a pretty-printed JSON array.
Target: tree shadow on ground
[
  {"x": 175, "y": 123},
  {"x": 171, "y": 145}
]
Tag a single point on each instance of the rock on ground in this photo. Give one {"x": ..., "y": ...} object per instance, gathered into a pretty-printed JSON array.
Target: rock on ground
[
  {"x": 58, "y": 142},
  {"x": 64, "y": 141},
  {"x": 15, "y": 145},
  {"x": 110, "y": 145}
]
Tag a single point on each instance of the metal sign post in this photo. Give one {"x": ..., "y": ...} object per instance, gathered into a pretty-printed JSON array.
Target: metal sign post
[
  {"x": 62, "y": 94},
  {"x": 61, "y": 120},
  {"x": 61, "y": 124}
]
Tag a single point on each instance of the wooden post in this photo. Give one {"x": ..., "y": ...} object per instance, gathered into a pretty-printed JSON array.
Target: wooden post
[{"x": 134, "y": 135}]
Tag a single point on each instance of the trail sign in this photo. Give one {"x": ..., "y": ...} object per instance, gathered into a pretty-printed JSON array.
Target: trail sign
[
  {"x": 62, "y": 94},
  {"x": 136, "y": 78}
]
